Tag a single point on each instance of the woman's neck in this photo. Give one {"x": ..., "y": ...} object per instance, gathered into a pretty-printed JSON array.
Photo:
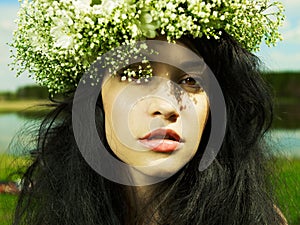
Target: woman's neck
[{"x": 142, "y": 205}]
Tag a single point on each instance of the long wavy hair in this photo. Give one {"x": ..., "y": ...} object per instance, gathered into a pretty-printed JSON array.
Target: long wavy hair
[{"x": 59, "y": 187}]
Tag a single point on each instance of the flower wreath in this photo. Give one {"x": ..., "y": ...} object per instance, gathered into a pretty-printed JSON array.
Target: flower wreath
[{"x": 57, "y": 40}]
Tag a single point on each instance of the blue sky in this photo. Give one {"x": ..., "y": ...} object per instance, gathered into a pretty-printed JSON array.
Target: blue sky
[{"x": 284, "y": 57}]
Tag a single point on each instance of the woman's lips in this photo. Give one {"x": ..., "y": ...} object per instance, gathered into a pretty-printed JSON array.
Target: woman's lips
[
  {"x": 161, "y": 145},
  {"x": 162, "y": 140}
]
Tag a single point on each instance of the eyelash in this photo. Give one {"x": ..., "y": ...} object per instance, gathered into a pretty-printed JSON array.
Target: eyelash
[{"x": 194, "y": 85}]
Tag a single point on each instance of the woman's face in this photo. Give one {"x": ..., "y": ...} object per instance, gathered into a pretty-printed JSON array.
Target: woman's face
[{"x": 156, "y": 124}]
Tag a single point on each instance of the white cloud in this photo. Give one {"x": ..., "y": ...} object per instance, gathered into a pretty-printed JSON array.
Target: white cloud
[
  {"x": 286, "y": 24},
  {"x": 5, "y": 38},
  {"x": 292, "y": 35},
  {"x": 7, "y": 25},
  {"x": 291, "y": 4},
  {"x": 287, "y": 61},
  {"x": 281, "y": 61}
]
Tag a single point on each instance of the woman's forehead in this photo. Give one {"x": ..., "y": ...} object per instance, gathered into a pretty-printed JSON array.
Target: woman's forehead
[
  {"x": 165, "y": 57},
  {"x": 182, "y": 54}
]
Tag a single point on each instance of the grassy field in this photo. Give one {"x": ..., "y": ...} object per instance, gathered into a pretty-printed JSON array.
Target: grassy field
[
  {"x": 7, "y": 204},
  {"x": 288, "y": 192},
  {"x": 19, "y": 106},
  {"x": 9, "y": 164}
]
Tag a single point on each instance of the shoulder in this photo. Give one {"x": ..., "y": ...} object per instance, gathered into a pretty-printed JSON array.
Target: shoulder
[{"x": 284, "y": 220}]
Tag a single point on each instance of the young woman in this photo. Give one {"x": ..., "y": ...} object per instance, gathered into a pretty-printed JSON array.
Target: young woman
[{"x": 160, "y": 126}]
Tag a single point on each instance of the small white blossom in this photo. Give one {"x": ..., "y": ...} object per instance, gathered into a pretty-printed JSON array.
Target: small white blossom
[
  {"x": 62, "y": 40},
  {"x": 60, "y": 32},
  {"x": 135, "y": 30},
  {"x": 109, "y": 5},
  {"x": 82, "y": 5}
]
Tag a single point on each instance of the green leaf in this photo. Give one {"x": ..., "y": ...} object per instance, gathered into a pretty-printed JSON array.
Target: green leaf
[
  {"x": 146, "y": 18},
  {"x": 96, "y": 2}
]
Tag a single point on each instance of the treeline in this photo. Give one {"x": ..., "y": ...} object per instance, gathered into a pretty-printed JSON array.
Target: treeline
[
  {"x": 286, "y": 88},
  {"x": 32, "y": 92},
  {"x": 285, "y": 85}
]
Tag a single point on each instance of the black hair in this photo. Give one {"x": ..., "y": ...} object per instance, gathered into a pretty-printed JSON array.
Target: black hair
[{"x": 59, "y": 187}]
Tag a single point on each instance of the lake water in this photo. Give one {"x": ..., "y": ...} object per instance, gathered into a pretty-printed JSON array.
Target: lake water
[
  {"x": 9, "y": 125},
  {"x": 286, "y": 140}
]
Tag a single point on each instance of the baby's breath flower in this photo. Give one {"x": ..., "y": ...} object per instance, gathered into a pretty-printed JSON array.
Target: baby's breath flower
[
  {"x": 57, "y": 41},
  {"x": 83, "y": 5}
]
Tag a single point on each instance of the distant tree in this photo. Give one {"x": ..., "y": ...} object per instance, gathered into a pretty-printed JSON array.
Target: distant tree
[
  {"x": 32, "y": 92},
  {"x": 7, "y": 95},
  {"x": 285, "y": 84}
]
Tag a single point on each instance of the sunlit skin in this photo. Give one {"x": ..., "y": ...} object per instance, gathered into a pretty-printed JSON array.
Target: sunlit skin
[{"x": 171, "y": 101}]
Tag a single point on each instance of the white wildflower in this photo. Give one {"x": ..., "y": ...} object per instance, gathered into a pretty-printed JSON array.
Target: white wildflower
[
  {"x": 61, "y": 32},
  {"x": 82, "y": 5},
  {"x": 135, "y": 31},
  {"x": 109, "y": 5}
]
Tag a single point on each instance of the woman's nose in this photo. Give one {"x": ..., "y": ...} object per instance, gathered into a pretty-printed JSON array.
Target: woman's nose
[{"x": 163, "y": 109}]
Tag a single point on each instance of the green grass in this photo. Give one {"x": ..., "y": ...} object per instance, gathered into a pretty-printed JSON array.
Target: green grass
[
  {"x": 8, "y": 166},
  {"x": 7, "y": 204},
  {"x": 288, "y": 191},
  {"x": 21, "y": 106}
]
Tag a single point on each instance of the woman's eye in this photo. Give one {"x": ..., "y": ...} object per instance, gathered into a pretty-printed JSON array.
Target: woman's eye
[
  {"x": 190, "y": 84},
  {"x": 189, "y": 81}
]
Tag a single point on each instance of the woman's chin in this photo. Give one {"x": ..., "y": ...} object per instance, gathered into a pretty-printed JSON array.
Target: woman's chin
[{"x": 163, "y": 168}]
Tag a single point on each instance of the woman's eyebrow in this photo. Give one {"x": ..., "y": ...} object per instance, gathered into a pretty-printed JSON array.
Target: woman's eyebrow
[{"x": 193, "y": 65}]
